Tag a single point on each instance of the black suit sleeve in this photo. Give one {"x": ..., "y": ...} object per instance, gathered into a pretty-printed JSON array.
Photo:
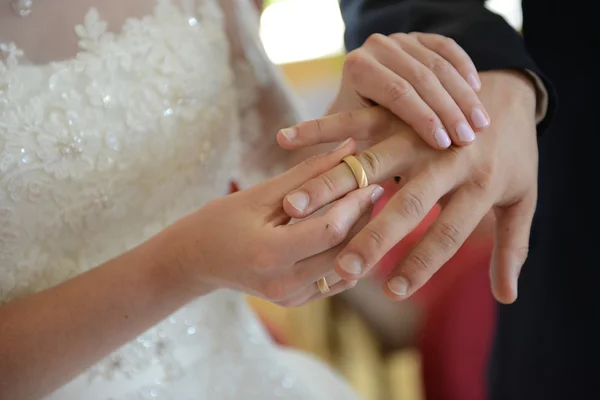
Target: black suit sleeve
[{"x": 490, "y": 41}]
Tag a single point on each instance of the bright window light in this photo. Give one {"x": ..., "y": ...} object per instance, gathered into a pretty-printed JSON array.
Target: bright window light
[
  {"x": 509, "y": 9},
  {"x": 300, "y": 30}
]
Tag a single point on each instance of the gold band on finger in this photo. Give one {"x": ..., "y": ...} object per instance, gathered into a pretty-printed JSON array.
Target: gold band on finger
[
  {"x": 323, "y": 285},
  {"x": 357, "y": 170}
]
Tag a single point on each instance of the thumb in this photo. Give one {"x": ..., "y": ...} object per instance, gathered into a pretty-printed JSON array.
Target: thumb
[{"x": 511, "y": 247}]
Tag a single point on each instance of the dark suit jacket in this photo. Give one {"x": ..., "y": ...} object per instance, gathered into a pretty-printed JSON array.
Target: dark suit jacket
[{"x": 547, "y": 343}]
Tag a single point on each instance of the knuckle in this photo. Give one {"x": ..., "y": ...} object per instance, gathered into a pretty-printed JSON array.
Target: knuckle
[
  {"x": 419, "y": 262},
  {"x": 335, "y": 234},
  {"x": 448, "y": 236},
  {"x": 439, "y": 66},
  {"x": 356, "y": 63},
  {"x": 267, "y": 261},
  {"x": 376, "y": 39},
  {"x": 423, "y": 76},
  {"x": 397, "y": 90},
  {"x": 374, "y": 236},
  {"x": 310, "y": 128},
  {"x": 371, "y": 162},
  {"x": 349, "y": 117},
  {"x": 401, "y": 37},
  {"x": 411, "y": 204},
  {"x": 318, "y": 125},
  {"x": 327, "y": 183},
  {"x": 445, "y": 42},
  {"x": 483, "y": 178},
  {"x": 451, "y": 43}
]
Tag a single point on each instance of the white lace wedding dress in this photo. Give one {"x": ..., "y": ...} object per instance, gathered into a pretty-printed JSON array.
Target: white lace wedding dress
[{"x": 117, "y": 117}]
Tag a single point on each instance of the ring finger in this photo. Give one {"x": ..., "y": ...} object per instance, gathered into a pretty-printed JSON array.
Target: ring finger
[
  {"x": 312, "y": 292},
  {"x": 383, "y": 161}
]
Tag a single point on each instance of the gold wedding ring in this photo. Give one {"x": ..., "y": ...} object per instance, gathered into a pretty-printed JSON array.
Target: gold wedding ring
[
  {"x": 323, "y": 285},
  {"x": 357, "y": 170}
]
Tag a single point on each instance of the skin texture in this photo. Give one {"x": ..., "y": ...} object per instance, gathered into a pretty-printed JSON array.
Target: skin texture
[
  {"x": 48, "y": 338},
  {"x": 426, "y": 80},
  {"x": 497, "y": 173}
]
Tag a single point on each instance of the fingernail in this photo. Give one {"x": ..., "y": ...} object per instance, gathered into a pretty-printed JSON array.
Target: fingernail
[
  {"x": 479, "y": 119},
  {"x": 442, "y": 138},
  {"x": 342, "y": 145},
  {"x": 376, "y": 195},
  {"x": 465, "y": 133},
  {"x": 398, "y": 285},
  {"x": 289, "y": 134},
  {"x": 352, "y": 264},
  {"x": 473, "y": 81},
  {"x": 298, "y": 200}
]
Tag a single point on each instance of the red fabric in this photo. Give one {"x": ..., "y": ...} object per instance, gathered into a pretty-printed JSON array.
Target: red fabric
[{"x": 456, "y": 334}]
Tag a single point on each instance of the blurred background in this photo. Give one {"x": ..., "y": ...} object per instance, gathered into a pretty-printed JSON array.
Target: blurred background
[
  {"x": 433, "y": 347},
  {"x": 306, "y": 38}
]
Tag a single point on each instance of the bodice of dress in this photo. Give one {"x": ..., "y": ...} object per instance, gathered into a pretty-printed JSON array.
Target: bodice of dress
[
  {"x": 104, "y": 149},
  {"x": 101, "y": 149}
]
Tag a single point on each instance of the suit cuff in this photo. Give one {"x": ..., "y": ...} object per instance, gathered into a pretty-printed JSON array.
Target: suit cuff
[{"x": 542, "y": 96}]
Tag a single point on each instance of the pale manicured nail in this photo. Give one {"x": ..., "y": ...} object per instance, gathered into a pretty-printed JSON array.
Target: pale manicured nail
[
  {"x": 465, "y": 133},
  {"x": 479, "y": 119},
  {"x": 442, "y": 138},
  {"x": 474, "y": 82},
  {"x": 298, "y": 200},
  {"x": 352, "y": 264},
  {"x": 289, "y": 134},
  {"x": 398, "y": 285},
  {"x": 376, "y": 195},
  {"x": 342, "y": 145}
]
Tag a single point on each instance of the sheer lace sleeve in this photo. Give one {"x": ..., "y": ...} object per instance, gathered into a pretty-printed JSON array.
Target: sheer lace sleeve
[{"x": 265, "y": 103}]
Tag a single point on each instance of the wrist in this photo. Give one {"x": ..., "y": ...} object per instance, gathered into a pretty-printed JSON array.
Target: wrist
[
  {"x": 170, "y": 268},
  {"x": 512, "y": 86}
]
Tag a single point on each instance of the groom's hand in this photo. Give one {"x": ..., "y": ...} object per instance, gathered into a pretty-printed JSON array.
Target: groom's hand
[{"x": 499, "y": 172}]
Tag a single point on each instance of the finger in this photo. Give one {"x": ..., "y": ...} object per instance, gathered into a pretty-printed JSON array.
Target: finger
[
  {"x": 452, "y": 98},
  {"x": 317, "y": 234},
  {"x": 310, "y": 270},
  {"x": 442, "y": 240},
  {"x": 367, "y": 124},
  {"x": 382, "y": 161},
  {"x": 454, "y": 53},
  {"x": 314, "y": 267},
  {"x": 275, "y": 189},
  {"x": 461, "y": 91},
  {"x": 336, "y": 289},
  {"x": 311, "y": 288},
  {"x": 403, "y": 212},
  {"x": 390, "y": 89},
  {"x": 511, "y": 246},
  {"x": 313, "y": 293},
  {"x": 450, "y": 122}
]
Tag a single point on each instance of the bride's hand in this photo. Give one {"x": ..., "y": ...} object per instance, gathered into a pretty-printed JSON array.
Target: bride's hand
[{"x": 243, "y": 241}]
